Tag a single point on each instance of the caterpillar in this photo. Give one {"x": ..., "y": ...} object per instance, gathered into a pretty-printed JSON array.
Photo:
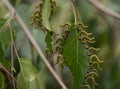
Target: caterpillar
[
  {"x": 37, "y": 17},
  {"x": 60, "y": 42},
  {"x": 86, "y": 38},
  {"x": 39, "y": 21}
]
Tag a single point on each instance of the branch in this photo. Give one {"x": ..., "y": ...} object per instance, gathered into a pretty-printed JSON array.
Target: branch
[
  {"x": 74, "y": 10},
  {"x": 4, "y": 70},
  {"x": 12, "y": 53},
  {"x": 33, "y": 42},
  {"x": 105, "y": 10}
]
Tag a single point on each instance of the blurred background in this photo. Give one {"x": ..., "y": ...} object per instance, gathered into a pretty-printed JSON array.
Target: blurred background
[{"x": 105, "y": 28}]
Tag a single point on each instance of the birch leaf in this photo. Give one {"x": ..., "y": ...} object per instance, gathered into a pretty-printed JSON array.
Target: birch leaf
[
  {"x": 27, "y": 72},
  {"x": 75, "y": 57}
]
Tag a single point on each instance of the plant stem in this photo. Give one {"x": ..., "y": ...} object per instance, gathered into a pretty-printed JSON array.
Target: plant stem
[
  {"x": 12, "y": 43},
  {"x": 3, "y": 69},
  {"x": 103, "y": 9},
  {"x": 74, "y": 11}
]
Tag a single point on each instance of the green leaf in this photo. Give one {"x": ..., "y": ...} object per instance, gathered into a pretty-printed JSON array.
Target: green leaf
[
  {"x": 3, "y": 61},
  {"x": 59, "y": 15},
  {"x": 5, "y": 37},
  {"x": 27, "y": 72},
  {"x": 75, "y": 57},
  {"x": 2, "y": 22},
  {"x": 48, "y": 41},
  {"x": 3, "y": 11},
  {"x": 46, "y": 13},
  {"x": 1, "y": 81},
  {"x": 39, "y": 82}
]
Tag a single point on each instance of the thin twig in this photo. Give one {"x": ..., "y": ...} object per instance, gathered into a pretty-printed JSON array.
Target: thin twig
[
  {"x": 4, "y": 26},
  {"x": 32, "y": 53},
  {"x": 74, "y": 11},
  {"x": 33, "y": 42},
  {"x": 2, "y": 68},
  {"x": 16, "y": 52},
  {"x": 12, "y": 43},
  {"x": 12, "y": 59},
  {"x": 105, "y": 10}
]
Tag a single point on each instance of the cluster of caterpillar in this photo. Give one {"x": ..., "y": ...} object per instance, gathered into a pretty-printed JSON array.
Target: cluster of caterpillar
[
  {"x": 86, "y": 39},
  {"x": 37, "y": 16},
  {"x": 60, "y": 42},
  {"x": 53, "y": 6},
  {"x": 37, "y": 20}
]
